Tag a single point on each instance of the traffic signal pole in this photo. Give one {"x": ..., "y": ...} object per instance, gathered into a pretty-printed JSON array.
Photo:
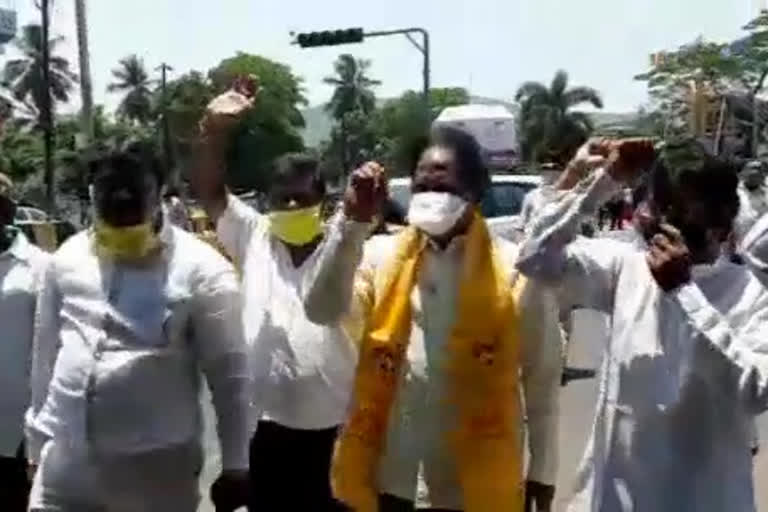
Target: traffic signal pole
[
  {"x": 423, "y": 48},
  {"x": 356, "y": 35}
]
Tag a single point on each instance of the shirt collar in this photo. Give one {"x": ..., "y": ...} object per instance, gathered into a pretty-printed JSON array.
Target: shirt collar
[
  {"x": 456, "y": 244},
  {"x": 704, "y": 270}
]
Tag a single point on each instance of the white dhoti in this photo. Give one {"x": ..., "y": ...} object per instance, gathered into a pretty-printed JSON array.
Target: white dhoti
[{"x": 70, "y": 479}]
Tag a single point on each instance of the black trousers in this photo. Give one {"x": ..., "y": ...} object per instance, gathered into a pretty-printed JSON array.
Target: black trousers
[
  {"x": 388, "y": 503},
  {"x": 290, "y": 469},
  {"x": 14, "y": 485}
]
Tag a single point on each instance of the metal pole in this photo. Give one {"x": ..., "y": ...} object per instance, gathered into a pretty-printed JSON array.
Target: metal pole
[
  {"x": 86, "y": 86},
  {"x": 164, "y": 68},
  {"x": 47, "y": 114},
  {"x": 424, "y": 48}
]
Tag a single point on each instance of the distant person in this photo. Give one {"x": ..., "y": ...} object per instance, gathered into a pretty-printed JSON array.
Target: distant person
[
  {"x": 134, "y": 315},
  {"x": 21, "y": 268},
  {"x": 534, "y": 199},
  {"x": 686, "y": 369}
]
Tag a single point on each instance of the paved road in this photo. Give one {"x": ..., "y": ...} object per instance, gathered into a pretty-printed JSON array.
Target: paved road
[{"x": 576, "y": 415}]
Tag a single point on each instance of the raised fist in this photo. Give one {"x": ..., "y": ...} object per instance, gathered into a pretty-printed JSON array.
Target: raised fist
[
  {"x": 227, "y": 109},
  {"x": 366, "y": 192}
]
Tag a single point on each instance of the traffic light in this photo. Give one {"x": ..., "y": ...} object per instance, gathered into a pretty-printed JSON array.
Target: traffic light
[{"x": 330, "y": 37}]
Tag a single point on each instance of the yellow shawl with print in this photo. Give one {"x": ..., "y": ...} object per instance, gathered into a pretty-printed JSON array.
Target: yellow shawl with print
[{"x": 483, "y": 364}]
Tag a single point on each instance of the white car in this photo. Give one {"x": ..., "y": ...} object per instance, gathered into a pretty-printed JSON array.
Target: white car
[{"x": 501, "y": 205}]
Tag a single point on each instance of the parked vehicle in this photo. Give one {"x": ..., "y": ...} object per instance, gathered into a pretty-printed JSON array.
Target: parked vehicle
[{"x": 501, "y": 205}]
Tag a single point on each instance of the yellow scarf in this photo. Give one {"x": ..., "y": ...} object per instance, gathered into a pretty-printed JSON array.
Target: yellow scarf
[{"x": 483, "y": 367}]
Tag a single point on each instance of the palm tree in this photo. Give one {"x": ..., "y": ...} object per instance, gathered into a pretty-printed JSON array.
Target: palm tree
[
  {"x": 132, "y": 78},
  {"x": 353, "y": 88},
  {"x": 353, "y": 94},
  {"x": 24, "y": 76},
  {"x": 549, "y": 128}
]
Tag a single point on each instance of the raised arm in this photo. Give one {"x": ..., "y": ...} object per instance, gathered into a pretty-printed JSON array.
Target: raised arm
[
  {"x": 328, "y": 294},
  {"x": 584, "y": 269},
  {"x": 208, "y": 171},
  {"x": 45, "y": 349}
]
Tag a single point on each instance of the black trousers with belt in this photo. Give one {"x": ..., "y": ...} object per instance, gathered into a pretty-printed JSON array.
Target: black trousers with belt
[{"x": 14, "y": 484}]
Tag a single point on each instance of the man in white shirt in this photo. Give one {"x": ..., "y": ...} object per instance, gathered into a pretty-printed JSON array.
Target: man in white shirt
[
  {"x": 21, "y": 267},
  {"x": 132, "y": 315},
  {"x": 303, "y": 371},
  {"x": 686, "y": 367},
  {"x": 416, "y": 468}
]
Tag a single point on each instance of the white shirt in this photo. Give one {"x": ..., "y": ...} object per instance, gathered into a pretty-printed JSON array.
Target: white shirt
[
  {"x": 21, "y": 269},
  {"x": 684, "y": 372},
  {"x": 119, "y": 351},
  {"x": 753, "y": 204},
  {"x": 303, "y": 371},
  {"x": 416, "y": 465}
]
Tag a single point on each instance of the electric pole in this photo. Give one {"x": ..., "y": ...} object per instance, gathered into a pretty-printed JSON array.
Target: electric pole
[
  {"x": 47, "y": 107},
  {"x": 167, "y": 149}
]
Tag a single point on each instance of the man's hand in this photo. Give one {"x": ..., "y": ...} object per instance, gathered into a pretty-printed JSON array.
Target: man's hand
[
  {"x": 627, "y": 158},
  {"x": 230, "y": 491},
  {"x": 366, "y": 193},
  {"x": 669, "y": 258},
  {"x": 587, "y": 159},
  {"x": 538, "y": 497},
  {"x": 623, "y": 159},
  {"x": 227, "y": 109}
]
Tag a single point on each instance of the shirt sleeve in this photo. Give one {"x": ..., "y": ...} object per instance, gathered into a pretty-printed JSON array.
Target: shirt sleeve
[
  {"x": 744, "y": 346},
  {"x": 236, "y": 226},
  {"x": 45, "y": 349},
  {"x": 218, "y": 338},
  {"x": 331, "y": 288},
  {"x": 584, "y": 269},
  {"x": 541, "y": 373}
]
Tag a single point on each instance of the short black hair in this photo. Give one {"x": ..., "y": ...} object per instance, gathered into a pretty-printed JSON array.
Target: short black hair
[
  {"x": 292, "y": 166},
  {"x": 712, "y": 179},
  {"x": 130, "y": 157},
  {"x": 473, "y": 173}
]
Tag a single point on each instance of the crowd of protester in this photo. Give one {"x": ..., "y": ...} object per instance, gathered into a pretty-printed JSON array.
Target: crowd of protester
[{"x": 355, "y": 369}]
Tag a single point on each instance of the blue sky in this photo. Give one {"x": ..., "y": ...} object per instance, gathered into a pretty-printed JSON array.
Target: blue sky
[{"x": 489, "y": 46}]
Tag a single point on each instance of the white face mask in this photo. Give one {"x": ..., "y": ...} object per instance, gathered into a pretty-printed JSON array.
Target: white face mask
[{"x": 436, "y": 213}]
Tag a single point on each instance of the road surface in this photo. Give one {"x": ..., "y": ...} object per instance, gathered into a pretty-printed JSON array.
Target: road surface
[{"x": 577, "y": 404}]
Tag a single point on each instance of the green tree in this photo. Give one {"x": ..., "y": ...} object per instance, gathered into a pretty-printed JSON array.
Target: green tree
[
  {"x": 353, "y": 88},
  {"x": 132, "y": 79},
  {"x": 549, "y": 128},
  {"x": 24, "y": 75},
  {"x": 352, "y": 101},
  {"x": 272, "y": 128},
  {"x": 188, "y": 96},
  {"x": 704, "y": 65},
  {"x": 402, "y": 129}
]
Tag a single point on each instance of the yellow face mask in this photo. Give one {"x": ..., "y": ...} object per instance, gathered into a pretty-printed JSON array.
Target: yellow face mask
[
  {"x": 125, "y": 243},
  {"x": 296, "y": 227}
]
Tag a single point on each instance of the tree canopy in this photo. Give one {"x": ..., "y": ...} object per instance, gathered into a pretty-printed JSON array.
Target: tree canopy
[{"x": 548, "y": 126}]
